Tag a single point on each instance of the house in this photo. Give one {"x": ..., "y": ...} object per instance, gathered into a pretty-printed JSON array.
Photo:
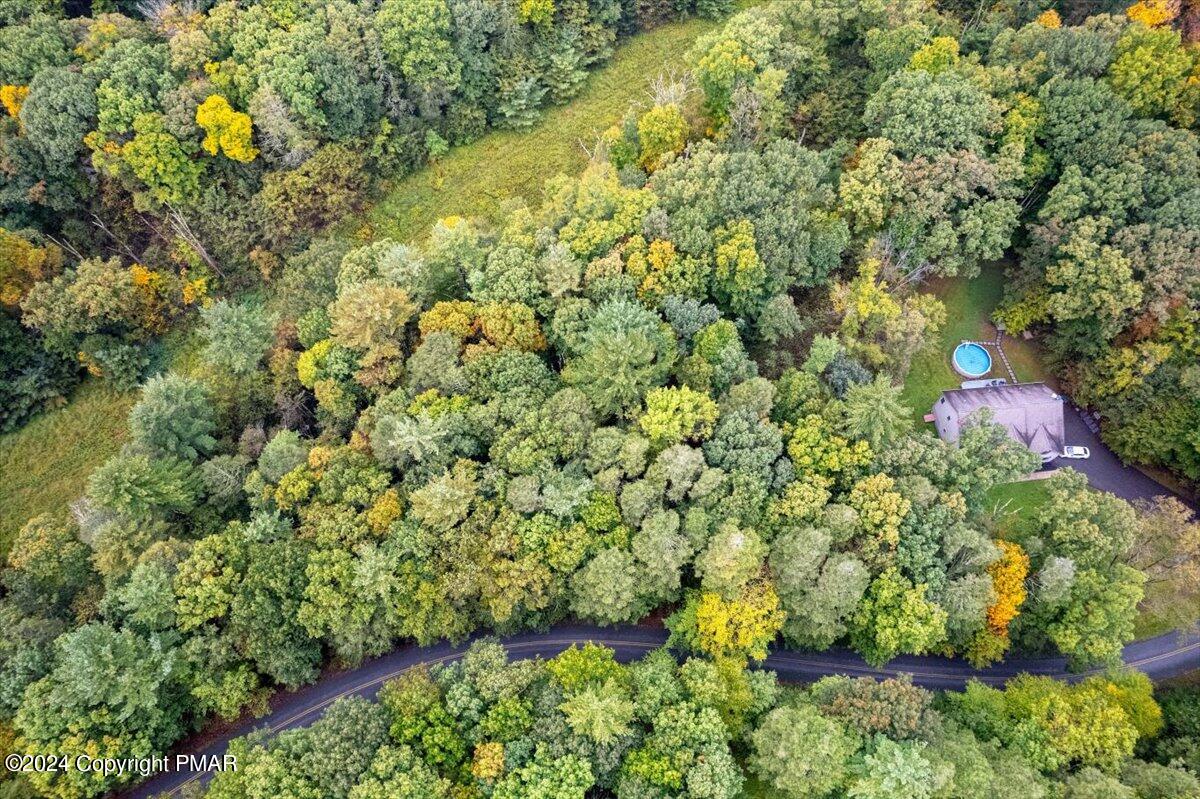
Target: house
[{"x": 1031, "y": 413}]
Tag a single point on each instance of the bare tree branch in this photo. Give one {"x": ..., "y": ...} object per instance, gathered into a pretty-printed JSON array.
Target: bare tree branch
[
  {"x": 125, "y": 248},
  {"x": 66, "y": 245},
  {"x": 182, "y": 229}
]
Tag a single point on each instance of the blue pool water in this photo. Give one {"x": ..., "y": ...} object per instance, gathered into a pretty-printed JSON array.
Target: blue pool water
[{"x": 972, "y": 360}]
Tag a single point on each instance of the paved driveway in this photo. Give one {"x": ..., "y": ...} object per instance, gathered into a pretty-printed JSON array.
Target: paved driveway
[{"x": 1104, "y": 469}]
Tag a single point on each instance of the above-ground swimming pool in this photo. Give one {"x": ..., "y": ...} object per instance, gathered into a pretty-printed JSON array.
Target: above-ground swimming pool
[{"x": 971, "y": 360}]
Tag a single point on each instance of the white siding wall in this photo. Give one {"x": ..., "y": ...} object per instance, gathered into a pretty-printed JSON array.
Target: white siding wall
[{"x": 945, "y": 420}]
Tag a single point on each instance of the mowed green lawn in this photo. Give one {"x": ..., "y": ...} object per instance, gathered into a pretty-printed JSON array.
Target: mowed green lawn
[
  {"x": 969, "y": 305},
  {"x": 475, "y": 179},
  {"x": 1014, "y": 506},
  {"x": 46, "y": 463}
]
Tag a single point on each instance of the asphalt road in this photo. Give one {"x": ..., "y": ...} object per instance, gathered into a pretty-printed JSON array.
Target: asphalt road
[{"x": 1162, "y": 657}]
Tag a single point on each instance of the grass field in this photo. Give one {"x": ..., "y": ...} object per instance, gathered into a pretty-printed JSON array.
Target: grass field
[
  {"x": 969, "y": 306},
  {"x": 45, "y": 464},
  {"x": 475, "y": 179}
]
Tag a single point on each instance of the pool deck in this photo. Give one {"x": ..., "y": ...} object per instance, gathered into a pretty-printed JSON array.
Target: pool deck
[{"x": 999, "y": 345}]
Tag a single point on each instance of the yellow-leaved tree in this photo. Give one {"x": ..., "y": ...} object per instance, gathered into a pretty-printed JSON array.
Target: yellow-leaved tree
[
  {"x": 1153, "y": 13},
  {"x": 12, "y": 98},
  {"x": 228, "y": 131},
  {"x": 1008, "y": 578},
  {"x": 1008, "y": 575},
  {"x": 740, "y": 627},
  {"x": 1049, "y": 19}
]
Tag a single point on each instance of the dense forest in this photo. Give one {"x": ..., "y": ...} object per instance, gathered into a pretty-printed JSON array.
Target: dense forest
[
  {"x": 671, "y": 385},
  {"x": 156, "y": 158},
  {"x": 200, "y": 149}
]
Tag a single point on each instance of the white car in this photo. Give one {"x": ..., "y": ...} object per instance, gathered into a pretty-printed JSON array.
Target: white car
[{"x": 1076, "y": 452}]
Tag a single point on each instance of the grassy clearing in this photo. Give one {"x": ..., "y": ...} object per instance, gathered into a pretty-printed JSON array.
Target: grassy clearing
[
  {"x": 46, "y": 463},
  {"x": 969, "y": 305},
  {"x": 1014, "y": 507},
  {"x": 475, "y": 179}
]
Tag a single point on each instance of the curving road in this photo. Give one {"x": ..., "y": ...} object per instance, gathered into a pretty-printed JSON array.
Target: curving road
[{"x": 1162, "y": 657}]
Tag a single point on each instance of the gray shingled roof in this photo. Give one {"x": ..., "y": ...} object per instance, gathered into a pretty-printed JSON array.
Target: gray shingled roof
[
  {"x": 1016, "y": 395},
  {"x": 1031, "y": 412}
]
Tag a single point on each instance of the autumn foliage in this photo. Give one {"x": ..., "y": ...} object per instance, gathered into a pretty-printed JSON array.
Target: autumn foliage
[
  {"x": 228, "y": 131},
  {"x": 1008, "y": 579},
  {"x": 1153, "y": 13},
  {"x": 12, "y": 97},
  {"x": 23, "y": 263}
]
